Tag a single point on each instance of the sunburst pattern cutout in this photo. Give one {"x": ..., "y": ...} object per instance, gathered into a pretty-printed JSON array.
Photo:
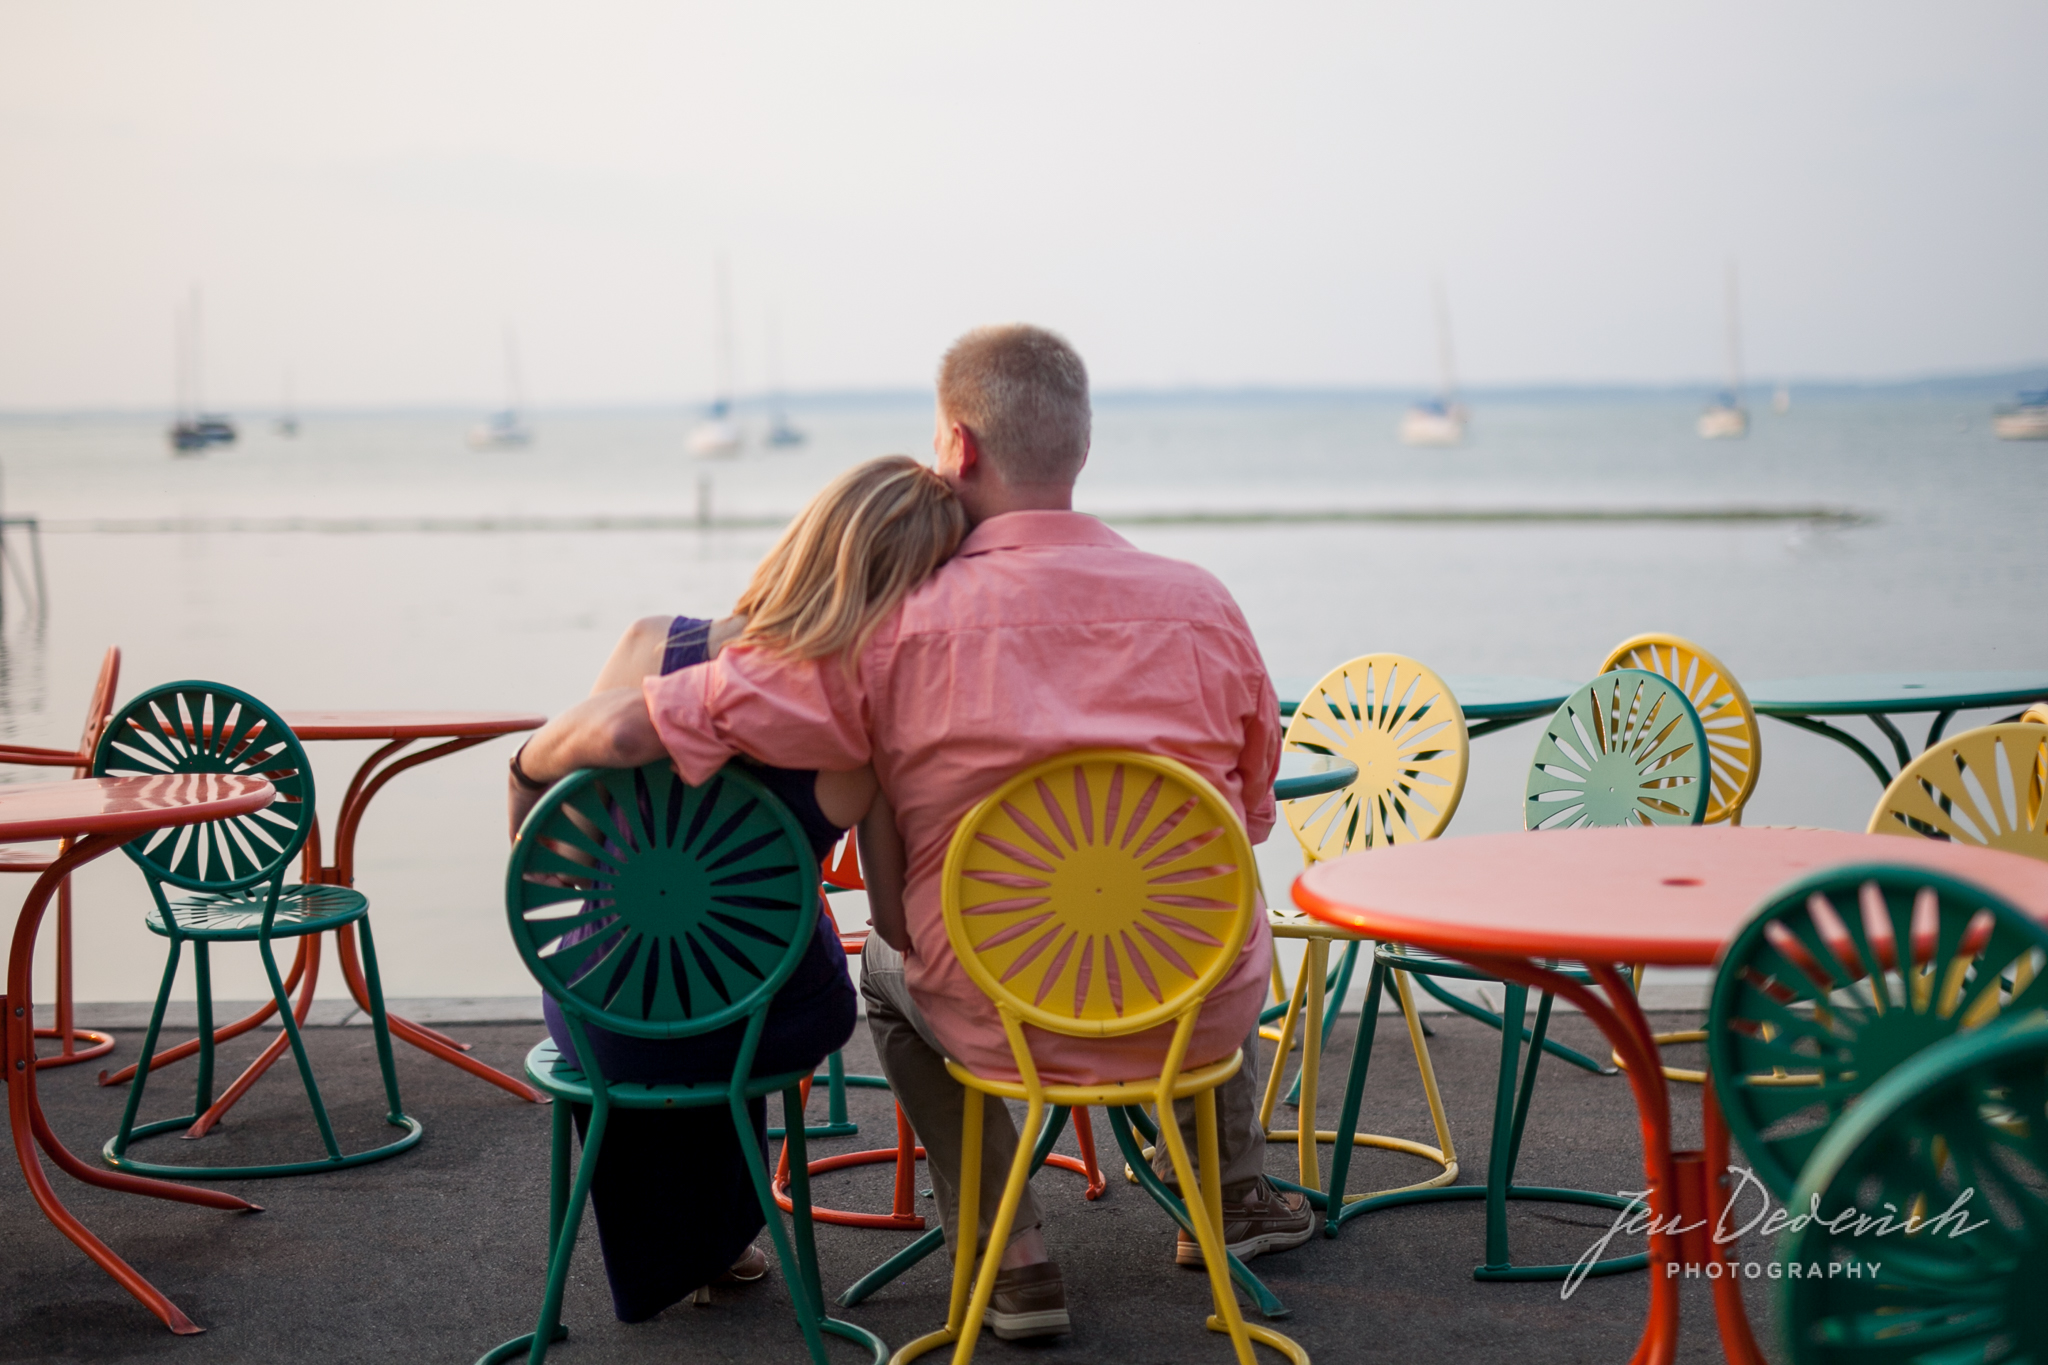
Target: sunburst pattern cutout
[
  {"x": 1734, "y": 742},
  {"x": 1984, "y": 786},
  {"x": 1399, "y": 723},
  {"x": 195, "y": 728},
  {"x": 1099, "y": 888},
  {"x": 652, "y": 900},
  {"x": 1622, "y": 750},
  {"x": 1840, "y": 981}
]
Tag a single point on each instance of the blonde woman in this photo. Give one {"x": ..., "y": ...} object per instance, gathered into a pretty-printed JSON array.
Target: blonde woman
[{"x": 675, "y": 1207}]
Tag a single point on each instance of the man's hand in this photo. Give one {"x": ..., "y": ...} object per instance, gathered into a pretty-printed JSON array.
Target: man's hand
[{"x": 609, "y": 730}]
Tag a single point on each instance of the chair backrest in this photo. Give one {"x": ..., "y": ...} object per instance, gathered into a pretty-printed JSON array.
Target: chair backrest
[
  {"x": 1734, "y": 741},
  {"x": 1100, "y": 893},
  {"x": 205, "y": 727},
  {"x": 1625, "y": 749},
  {"x": 99, "y": 708},
  {"x": 1950, "y": 1150},
  {"x": 1983, "y": 786},
  {"x": 650, "y": 907},
  {"x": 1839, "y": 978},
  {"x": 1400, "y": 724}
]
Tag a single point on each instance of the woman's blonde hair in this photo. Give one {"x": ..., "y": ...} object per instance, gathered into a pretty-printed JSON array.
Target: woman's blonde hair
[{"x": 850, "y": 557}]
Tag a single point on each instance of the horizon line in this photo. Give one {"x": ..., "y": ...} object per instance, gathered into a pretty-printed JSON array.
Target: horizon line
[{"x": 2021, "y": 376}]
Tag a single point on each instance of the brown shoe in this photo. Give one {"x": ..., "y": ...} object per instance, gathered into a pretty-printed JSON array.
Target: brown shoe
[
  {"x": 1264, "y": 1220},
  {"x": 1030, "y": 1301}
]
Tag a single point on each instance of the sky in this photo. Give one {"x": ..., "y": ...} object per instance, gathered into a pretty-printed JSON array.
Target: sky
[{"x": 369, "y": 195}]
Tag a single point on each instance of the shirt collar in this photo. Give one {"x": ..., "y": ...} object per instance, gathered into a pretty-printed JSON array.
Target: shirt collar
[{"x": 1022, "y": 530}]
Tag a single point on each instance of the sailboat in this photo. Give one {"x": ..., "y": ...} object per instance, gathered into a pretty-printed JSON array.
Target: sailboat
[
  {"x": 1438, "y": 421},
  {"x": 781, "y": 431},
  {"x": 2024, "y": 420},
  {"x": 505, "y": 429},
  {"x": 717, "y": 437},
  {"x": 1725, "y": 418},
  {"x": 193, "y": 430}
]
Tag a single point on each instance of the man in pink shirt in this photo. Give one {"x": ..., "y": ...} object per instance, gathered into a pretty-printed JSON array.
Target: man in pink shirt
[{"x": 1047, "y": 632}]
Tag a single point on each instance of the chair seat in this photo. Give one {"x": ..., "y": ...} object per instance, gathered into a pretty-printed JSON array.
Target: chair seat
[
  {"x": 548, "y": 1069},
  {"x": 27, "y": 857},
  {"x": 1193, "y": 1081},
  {"x": 238, "y": 915},
  {"x": 1294, "y": 924}
]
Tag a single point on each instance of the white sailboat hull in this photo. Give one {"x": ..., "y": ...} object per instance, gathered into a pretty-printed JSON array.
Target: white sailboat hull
[
  {"x": 1422, "y": 427},
  {"x": 499, "y": 438},
  {"x": 715, "y": 440},
  {"x": 1724, "y": 424},
  {"x": 2021, "y": 424}
]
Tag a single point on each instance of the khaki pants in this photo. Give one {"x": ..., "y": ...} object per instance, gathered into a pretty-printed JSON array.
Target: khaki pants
[{"x": 934, "y": 1102}]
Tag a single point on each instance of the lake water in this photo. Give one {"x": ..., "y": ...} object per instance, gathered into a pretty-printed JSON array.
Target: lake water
[{"x": 1945, "y": 570}]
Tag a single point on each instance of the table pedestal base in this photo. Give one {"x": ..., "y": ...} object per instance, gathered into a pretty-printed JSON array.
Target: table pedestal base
[
  {"x": 32, "y": 1131},
  {"x": 1685, "y": 1201}
]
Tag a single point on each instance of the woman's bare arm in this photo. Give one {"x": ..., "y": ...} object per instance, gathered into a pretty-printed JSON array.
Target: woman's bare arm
[
  {"x": 639, "y": 651},
  {"x": 637, "y": 654},
  {"x": 609, "y": 730},
  {"x": 883, "y": 866}
]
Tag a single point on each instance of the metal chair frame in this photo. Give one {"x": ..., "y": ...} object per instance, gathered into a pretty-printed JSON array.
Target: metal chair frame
[{"x": 233, "y": 871}]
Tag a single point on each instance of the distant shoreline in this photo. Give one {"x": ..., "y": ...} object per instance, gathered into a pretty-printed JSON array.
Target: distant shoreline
[
  {"x": 501, "y": 525},
  {"x": 1999, "y": 384}
]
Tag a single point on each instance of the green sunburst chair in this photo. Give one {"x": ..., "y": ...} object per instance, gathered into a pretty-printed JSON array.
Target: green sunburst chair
[
  {"x": 655, "y": 909},
  {"x": 223, "y": 882}
]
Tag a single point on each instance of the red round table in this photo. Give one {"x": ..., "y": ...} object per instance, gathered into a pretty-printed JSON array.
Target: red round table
[
  {"x": 97, "y": 815},
  {"x": 457, "y": 730},
  {"x": 1516, "y": 904}
]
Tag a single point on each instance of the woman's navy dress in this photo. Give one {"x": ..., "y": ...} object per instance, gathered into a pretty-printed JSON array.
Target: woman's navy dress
[{"x": 675, "y": 1205}]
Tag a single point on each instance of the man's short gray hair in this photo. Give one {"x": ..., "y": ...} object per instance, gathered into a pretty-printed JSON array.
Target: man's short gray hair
[{"x": 1023, "y": 392}]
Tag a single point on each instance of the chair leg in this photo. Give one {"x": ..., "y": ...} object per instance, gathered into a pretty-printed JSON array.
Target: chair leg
[
  {"x": 562, "y": 1248},
  {"x": 1205, "y": 1212},
  {"x": 785, "y": 1255},
  {"x": 380, "y": 1025},
  {"x": 202, "y": 979},
  {"x": 999, "y": 1228},
  {"x": 1122, "y": 1119},
  {"x": 298, "y": 1044},
  {"x": 1346, "y": 1136},
  {"x": 1335, "y": 988},
  {"x": 117, "y": 1146}
]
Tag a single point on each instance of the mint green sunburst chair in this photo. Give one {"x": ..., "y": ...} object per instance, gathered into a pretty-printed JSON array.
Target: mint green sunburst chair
[
  {"x": 223, "y": 882},
  {"x": 1625, "y": 749},
  {"x": 655, "y": 909}
]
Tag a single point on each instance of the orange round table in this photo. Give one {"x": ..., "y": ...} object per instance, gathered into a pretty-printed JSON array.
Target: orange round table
[
  {"x": 98, "y": 815},
  {"x": 1516, "y": 904},
  {"x": 457, "y": 730}
]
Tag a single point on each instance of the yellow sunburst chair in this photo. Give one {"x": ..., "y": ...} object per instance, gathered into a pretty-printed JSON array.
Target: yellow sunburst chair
[
  {"x": 1985, "y": 786},
  {"x": 1098, "y": 895},
  {"x": 1399, "y": 723},
  {"x": 1734, "y": 752}
]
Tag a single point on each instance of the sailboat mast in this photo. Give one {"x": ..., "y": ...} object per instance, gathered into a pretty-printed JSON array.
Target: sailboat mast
[
  {"x": 1443, "y": 342},
  {"x": 1734, "y": 338},
  {"x": 195, "y": 359}
]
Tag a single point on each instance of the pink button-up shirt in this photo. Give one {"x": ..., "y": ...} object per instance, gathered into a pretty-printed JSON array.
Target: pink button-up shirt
[{"x": 1047, "y": 632}]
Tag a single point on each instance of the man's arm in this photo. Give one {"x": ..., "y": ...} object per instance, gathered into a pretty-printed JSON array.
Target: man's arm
[
  {"x": 792, "y": 713},
  {"x": 609, "y": 730},
  {"x": 884, "y": 867}
]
